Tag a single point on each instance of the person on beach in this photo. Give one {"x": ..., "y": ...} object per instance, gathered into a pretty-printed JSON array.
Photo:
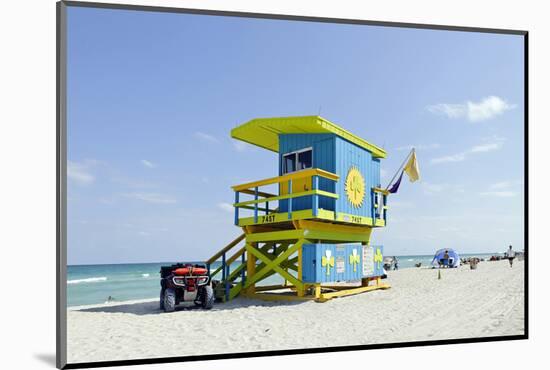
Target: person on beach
[
  {"x": 446, "y": 259},
  {"x": 395, "y": 264},
  {"x": 510, "y": 254}
]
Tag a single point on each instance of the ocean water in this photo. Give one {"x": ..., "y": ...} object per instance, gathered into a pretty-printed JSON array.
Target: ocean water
[{"x": 94, "y": 284}]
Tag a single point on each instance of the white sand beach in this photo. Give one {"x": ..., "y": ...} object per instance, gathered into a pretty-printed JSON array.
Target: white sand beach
[{"x": 465, "y": 303}]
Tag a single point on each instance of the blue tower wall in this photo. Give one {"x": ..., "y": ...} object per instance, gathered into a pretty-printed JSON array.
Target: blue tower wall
[
  {"x": 323, "y": 158},
  {"x": 334, "y": 154},
  {"x": 313, "y": 270},
  {"x": 348, "y": 155}
]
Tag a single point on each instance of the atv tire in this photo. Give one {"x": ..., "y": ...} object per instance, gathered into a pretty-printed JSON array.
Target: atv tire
[
  {"x": 169, "y": 300},
  {"x": 161, "y": 300},
  {"x": 207, "y": 297}
]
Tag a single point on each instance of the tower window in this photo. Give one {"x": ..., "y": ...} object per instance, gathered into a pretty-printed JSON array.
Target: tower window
[
  {"x": 304, "y": 159},
  {"x": 298, "y": 160}
]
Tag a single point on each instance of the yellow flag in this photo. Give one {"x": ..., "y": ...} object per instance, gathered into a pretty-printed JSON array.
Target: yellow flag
[{"x": 411, "y": 168}]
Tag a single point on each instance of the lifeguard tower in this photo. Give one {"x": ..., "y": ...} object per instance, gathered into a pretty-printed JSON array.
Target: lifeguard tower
[{"x": 312, "y": 223}]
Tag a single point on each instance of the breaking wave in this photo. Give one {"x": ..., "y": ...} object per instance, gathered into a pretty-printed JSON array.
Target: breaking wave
[{"x": 88, "y": 280}]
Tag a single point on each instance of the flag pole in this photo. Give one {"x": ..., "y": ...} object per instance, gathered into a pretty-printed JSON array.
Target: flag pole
[{"x": 400, "y": 167}]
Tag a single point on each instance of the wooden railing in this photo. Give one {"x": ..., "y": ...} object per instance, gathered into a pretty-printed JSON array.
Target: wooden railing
[
  {"x": 380, "y": 204},
  {"x": 252, "y": 188},
  {"x": 228, "y": 277}
]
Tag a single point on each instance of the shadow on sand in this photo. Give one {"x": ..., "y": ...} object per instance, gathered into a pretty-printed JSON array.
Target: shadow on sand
[{"x": 152, "y": 308}]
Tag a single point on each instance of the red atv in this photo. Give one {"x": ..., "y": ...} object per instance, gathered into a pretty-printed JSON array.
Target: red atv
[{"x": 185, "y": 282}]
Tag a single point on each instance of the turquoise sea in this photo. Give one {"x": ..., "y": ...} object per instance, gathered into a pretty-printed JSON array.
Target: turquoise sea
[{"x": 93, "y": 284}]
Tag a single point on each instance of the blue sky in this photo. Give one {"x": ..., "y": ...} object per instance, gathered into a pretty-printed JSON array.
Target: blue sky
[{"x": 152, "y": 98}]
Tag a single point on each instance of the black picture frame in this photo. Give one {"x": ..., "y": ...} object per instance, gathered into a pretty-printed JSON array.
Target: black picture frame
[{"x": 61, "y": 189}]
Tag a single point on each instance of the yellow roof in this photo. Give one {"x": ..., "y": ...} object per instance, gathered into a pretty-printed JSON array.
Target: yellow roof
[{"x": 264, "y": 132}]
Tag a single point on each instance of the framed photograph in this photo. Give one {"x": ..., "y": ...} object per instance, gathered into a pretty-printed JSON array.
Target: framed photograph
[{"x": 236, "y": 184}]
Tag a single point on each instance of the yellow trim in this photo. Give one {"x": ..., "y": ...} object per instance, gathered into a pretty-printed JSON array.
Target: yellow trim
[
  {"x": 322, "y": 214},
  {"x": 264, "y": 132},
  {"x": 250, "y": 268},
  {"x": 318, "y": 295},
  {"x": 380, "y": 222},
  {"x": 283, "y": 217},
  {"x": 354, "y": 219},
  {"x": 380, "y": 190},
  {"x": 301, "y": 290},
  {"x": 337, "y": 228},
  {"x": 345, "y": 292},
  {"x": 287, "y": 196},
  {"x": 317, "y": 291},
  {"x": 286, "y": 177},
  {"x": 278, "y": 297}
]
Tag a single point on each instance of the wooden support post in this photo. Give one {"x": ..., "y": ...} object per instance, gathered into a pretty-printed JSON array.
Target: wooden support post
[
  {"x": 256, "y": 205},
  {"x": 317, "y": 291},
  {"x": 290, "y": 199},
  {"x": 300, "y": 290},
  {"x": 373, "y": 208},
  {"x": 237, "y": 208},
  {"x": 225, "y": 279},
  {"x": 250, "y": 267},
  {"x": 384, "y": 205},
  {"x": 243, "y": 272},
  {"x": 315, "y": 200}
]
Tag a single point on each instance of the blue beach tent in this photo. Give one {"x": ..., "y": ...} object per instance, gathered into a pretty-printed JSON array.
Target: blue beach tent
[{"x": 454, "y": 258}]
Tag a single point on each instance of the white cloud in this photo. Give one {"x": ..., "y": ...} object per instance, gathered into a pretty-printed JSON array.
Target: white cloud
[
  {"x": 449, "y": 158},
  {"x": 430, "y": 188},
  {"x": 79, "y": 172},
  {"x": 226, "y": 207},
  {"x": 501, "y": 185},
  {"x": 107, "y": 200},
  {"x": 488, "y": 108},
  {"x": 206, "y": 137},
  {"x": 144, "y": 233},
  {"x": 501, "y": 194},
  {"x": 483, "y": 110},
  {"x": 147, "y": 163},
  {"x": 489, "y": 147},
  {"x": 151, "y": 197},
  {"x": 495, "y": 144},
  {"x": 398, "y": 204},
  {"x": 502, "y": 189},
  {"x": 447, "y": 229},
  {"x": 449, "y": 110},
  {"x": 505, "y": 184}
]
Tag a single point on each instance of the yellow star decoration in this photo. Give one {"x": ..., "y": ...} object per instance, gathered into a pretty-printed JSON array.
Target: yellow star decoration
[
  {"x": 378, "y": 257},
  {"x": 355, "y": 187},
  {"x": 327, "y": 261},
  {"x": 354, "y": 259}
]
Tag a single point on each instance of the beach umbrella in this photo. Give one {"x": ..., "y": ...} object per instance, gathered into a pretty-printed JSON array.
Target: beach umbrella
[{"x": 454, "y": 258}]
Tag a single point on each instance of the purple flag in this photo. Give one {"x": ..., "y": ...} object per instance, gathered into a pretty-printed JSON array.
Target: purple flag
[{"x": 395, "y": 186}]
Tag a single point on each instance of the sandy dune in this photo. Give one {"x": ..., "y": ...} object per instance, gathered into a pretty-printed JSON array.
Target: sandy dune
[{"x": 463, "y": 304}]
